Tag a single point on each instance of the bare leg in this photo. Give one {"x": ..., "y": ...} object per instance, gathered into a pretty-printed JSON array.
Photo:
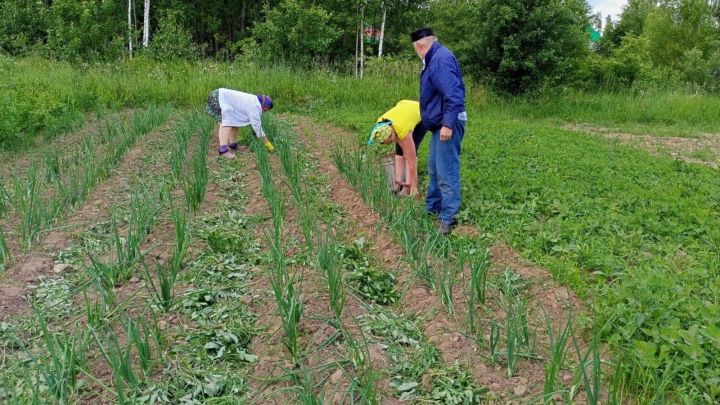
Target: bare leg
[
  {"x": 224, "y": 135},
  {"x": 233, "y": 135}
]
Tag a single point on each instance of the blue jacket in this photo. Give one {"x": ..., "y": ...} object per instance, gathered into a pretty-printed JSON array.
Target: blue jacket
[{"x": 442, "y": 90}]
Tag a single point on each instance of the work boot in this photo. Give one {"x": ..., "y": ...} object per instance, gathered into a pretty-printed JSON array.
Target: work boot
[{"x": 446, "y": 228}]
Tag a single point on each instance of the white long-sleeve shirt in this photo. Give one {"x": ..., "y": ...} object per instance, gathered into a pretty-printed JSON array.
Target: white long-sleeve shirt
[{"x": 240, "y": 109}]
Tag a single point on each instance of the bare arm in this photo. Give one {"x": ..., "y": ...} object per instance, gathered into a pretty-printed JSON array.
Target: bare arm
[
  {"x": 256, "y": 123},
  {"x": 408, "y": 146}
]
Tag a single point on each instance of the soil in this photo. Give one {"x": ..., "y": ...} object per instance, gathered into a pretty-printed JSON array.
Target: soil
[
  {"x": 446, "y": 332},
  {"x": 443, "y": 330},
  {"x": 25, "y": 269},
  {"x": 316, "y": 332},
  {"x": 701, "y": 149}
]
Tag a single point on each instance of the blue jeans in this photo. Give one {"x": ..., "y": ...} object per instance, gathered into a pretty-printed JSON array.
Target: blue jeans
[{"x": 443, "y": 197}]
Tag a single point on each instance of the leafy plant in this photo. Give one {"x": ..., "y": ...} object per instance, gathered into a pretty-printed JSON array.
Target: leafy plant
[
  {"x": 52, "y": 296},
  {"x": 452, "y": 385},
  {"x": 229, "y": 345}
]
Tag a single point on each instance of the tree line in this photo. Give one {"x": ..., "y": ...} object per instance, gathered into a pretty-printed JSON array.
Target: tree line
[{"x": 513, "y": 46}]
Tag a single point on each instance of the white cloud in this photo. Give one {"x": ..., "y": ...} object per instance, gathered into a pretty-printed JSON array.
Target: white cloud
[{"x": 608, "y": 7}]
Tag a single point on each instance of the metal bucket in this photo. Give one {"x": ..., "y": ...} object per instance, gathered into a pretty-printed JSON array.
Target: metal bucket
[{"x": 389, "y": 166}]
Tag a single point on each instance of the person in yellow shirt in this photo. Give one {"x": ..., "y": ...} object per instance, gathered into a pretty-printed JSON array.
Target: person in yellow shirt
[{"x": 401, "y": 125}]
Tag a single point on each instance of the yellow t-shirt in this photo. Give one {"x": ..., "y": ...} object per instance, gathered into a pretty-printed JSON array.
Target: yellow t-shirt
[{"x": 404, "y": 116}]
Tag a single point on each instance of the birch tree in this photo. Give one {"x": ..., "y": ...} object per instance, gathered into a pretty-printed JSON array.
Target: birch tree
[
  {"x": 130, "y": 29},
  {"x": 382, "y": 29},
  {"x": 146, "y": 24}
]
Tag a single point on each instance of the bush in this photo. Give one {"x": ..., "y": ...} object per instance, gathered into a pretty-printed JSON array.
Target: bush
[
  {"x": 295, "y": 33},
  {"x": 517, "y": 46},
  {"x": 172, "y": 41}
]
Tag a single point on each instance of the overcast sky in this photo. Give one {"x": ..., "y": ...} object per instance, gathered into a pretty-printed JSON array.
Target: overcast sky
[{"x": 611, "y": 7}]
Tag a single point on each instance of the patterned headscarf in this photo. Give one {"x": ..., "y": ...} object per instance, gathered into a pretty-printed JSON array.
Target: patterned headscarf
[
  {"x": 381, "y": 132},
  {"x": 265, "y": 101}
]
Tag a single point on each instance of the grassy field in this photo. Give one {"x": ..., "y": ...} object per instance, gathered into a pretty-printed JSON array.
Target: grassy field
[{"x": 171, "y": 288}]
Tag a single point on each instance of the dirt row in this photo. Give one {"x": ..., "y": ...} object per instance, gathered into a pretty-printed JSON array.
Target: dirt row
[
  {"x": 702, "y": 149},
  {"x": 444, "y": 331},
  {"x": 317, "y": 333},
  {"x": 26, "y": 267}
]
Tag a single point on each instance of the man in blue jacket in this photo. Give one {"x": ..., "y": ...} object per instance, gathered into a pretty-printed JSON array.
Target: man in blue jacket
[{"x": 442, "y": 108}]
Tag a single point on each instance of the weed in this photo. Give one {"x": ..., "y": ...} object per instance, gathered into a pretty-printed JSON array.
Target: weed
[
  {"x": 140, "y": 339},
  {"x": 229, "y": 345},
  {"x": 452, "y": 385},
  {"x": 403, "y": 330},
  {"x": 52, "y": 166},
  {"x": 306, "y": 389},
  {"x": 164, "y": 291},
  {"x": 120, "y": 361},
  {"x": 27, "y": 204},
  {"x": 4, "y": 252},
  {"x": 328, "y": 260},
  {"x": 66, "y": 361},
  {"x": 558, "y": 353},
  {"x": 52, "y": 296},
  {"x": 4, "y": 200},
  {"x": 196, "y": 181},
  {"x": 183, "y": 234}
]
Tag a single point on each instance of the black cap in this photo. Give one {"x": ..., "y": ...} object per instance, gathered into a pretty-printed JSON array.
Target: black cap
[{"x": 421, "y": 33}]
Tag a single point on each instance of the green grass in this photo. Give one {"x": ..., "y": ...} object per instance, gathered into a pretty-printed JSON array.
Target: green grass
[
  {"x": 636, "y": 235},
  {"x": 656, "y": 113}
]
